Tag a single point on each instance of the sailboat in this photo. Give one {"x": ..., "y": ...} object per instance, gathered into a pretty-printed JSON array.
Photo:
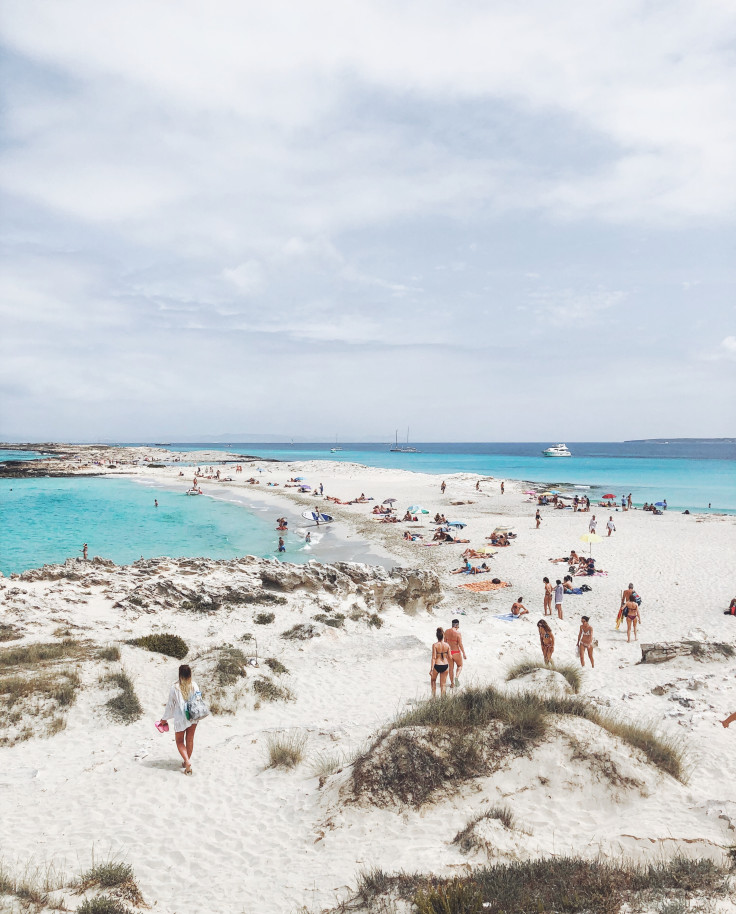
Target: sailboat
[
  {"x": 403, "y": 448},
  {"x": 336, "y": 448}
]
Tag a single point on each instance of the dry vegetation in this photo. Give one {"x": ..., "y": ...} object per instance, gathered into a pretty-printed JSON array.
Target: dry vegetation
[
  {"x": 163, "y": 643},
  {"x": 229, "y": 673},
  {"x": 249, "y": 598},
  {"x": 562, "y": 884},
  {"x": 268, "y": 690},
  {"x": 264, "y": 618},
  {"x": 41, "y": 889},
  {"x": 123, "y": 707},
  {"x": 37, "y": 689},
  {"x": 572, "y": 672},
  {"x": 285, "y": 750},
  {"x": 467, "y": 733},
  {"x": 10, "y": 632},
  {"x": 276, "y": 666},
  {"x": 467, "y": 838},
  {"x": 302, "y": 631}
]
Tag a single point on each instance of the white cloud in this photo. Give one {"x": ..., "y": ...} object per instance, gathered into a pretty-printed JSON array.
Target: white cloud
[{"x": 247, "y": 277}]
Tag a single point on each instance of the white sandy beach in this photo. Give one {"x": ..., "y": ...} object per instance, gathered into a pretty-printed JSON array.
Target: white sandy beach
[{"x": 270, "y": 840}]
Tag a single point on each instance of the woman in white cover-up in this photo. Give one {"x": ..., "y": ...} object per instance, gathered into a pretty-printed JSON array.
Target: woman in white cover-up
[{"x": 176, "y": 707}]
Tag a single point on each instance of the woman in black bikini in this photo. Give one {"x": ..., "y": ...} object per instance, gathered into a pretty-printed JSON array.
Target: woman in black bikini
[{"x": 440, "y": 662}]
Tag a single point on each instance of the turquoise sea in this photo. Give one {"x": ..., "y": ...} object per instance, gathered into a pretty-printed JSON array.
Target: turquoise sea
[{"x": 48, "y": 520}]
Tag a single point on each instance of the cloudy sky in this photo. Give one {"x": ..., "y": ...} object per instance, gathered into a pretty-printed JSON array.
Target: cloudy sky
[{"x": 486, "y": 220}]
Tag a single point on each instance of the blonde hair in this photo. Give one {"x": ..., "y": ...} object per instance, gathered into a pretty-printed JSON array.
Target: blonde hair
[{"x": 185, "y": 681}]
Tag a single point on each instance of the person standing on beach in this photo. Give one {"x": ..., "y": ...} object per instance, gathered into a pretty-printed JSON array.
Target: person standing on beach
[
  {"x": 629, "y": 502},
  {"x": 559, "y": 590},
  {"x": 477, "y": 486},
  {"x": 439, "y": 663},
  {"x": 457, "y": 652},
  {"x": 179, "y": 695},
  {"x": 538, "y": 518},
  {"x": 547, "y": 597},
  {"x": 502, "y": 488},
  {"x": 443, "y": 487},
  {"x": 321, "y": 489},
  {"x": 610, "y": 526},
  {"x": 633, "y": 617},
  {"x": 547, "y": 639},
  {"x": 592, "y": 525},
  {"x": 84, "y": 552},
  {"x": 585, "y": 641}
]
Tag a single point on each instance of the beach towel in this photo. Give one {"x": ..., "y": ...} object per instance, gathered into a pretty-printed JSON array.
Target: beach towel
[
  {"x": 507, "y": 617},
  {"x": 485, "y": 586}
]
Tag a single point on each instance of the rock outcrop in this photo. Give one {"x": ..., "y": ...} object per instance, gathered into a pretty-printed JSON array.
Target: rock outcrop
[
  {"x": 204, "y": 585},
  {"x": 700, "y": 650}
]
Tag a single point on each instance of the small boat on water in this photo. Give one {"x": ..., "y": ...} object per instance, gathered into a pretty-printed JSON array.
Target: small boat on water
[
  {"x": 193, "y": 492},
  {"x": 559, "y": 450}
]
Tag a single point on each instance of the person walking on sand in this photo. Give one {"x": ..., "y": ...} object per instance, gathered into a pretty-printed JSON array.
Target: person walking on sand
[
  {"x": 502, "y": 488},
  {"x": 457, "y": 652},
  {"x": 559, "y": 590},
  {"x": 547, "y": 597},
  {"x": 443, "y": 487},
  {"x": 439, "y": 663},
  {"x": 585, "y": 641},
  {"x": 547, "y": 640},
  {"x": 180, "y": 694},
  {"x": 84, "y": 552},
  {"x": 729, "y": 720},
  {"x": 610, "y": 526},
  {"x": 592, "y": 525},
  {"x": 538, "y": 518}
]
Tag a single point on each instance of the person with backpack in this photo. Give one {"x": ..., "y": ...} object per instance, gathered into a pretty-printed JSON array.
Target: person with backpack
[{"x": 187, "y": 707}]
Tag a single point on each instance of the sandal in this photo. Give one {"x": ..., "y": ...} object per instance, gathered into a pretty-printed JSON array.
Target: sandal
[{"x": 188, "y": 770}]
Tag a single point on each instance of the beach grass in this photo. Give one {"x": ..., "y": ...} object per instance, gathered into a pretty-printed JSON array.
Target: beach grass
[
  {"x": 249, "y": 598},
  {"x": 572, "y": 672},
  {"x": 38, "y": 701},
  {"x": 466, "y": 837},
  {"x": 285, "y": 750},
  {"x": 230, "y": 665},
  {"x": 464, "y": 733},
  {"x": 563, "y": 884},
  {"x": 163, "y": 643},
  {"x": 103, "y": 904},
  {"x": 302, "y": 631},
  {"x": 276, "y": 666},
  {"x": 323, "y": 764},
  {"x": 31, "y": 655},
  {"x": 124, "y": 707},
  {"x": 110, "y": 652}
]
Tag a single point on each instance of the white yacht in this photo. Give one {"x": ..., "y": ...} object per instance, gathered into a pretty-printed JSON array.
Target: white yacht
[
  {"x": 403, "y": 448},
  {"x": 559, "y": 450}
]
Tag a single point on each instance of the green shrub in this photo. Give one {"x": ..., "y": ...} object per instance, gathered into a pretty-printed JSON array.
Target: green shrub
[
  {"x": 276, "y": 666},
  {"x": 164, "y": 643},
  {"x": 457, "y": 897},
  {"x": 265, "y": 618},
  {"x": 110, "y": 652},
  {"x": 102, "y": 904}
]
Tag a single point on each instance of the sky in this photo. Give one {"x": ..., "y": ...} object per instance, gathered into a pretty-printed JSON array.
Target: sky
[{"x": 488, "y": 221}]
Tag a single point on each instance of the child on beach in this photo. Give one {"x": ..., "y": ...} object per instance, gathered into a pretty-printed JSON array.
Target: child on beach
[
  {"x": 585, "y": 641},
  {"x": 181, "y": 693},
  {"x": 547, "y": 640}
]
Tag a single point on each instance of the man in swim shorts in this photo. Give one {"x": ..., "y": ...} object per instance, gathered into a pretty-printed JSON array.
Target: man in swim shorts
[{"x": 457, "y": 651}]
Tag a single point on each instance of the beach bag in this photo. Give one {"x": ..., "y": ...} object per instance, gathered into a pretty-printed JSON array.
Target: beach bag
[
  {"x": 626, "y": 611},
  {"x": 196, "y": 708},
  {"x": 636, "y": 598},
  {"x": 586, "y": 588}
]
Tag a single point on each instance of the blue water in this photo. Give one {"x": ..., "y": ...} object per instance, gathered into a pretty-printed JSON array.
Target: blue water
[
  {"x": 47, "y": 520},
  {"x": 19, "y": 455},
  {"x": 689, "y": 474}
]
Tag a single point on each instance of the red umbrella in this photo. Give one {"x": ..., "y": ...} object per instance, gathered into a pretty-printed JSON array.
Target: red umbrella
[{"x": 609, "y": 496}]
